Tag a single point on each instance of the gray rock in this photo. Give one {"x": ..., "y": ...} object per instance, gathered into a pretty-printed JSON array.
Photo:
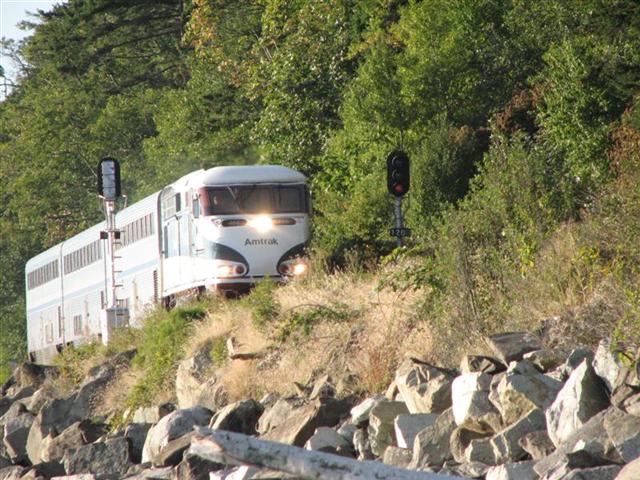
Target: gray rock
[
  {"x": 240, "y": 417},
  {"x": 16, "y": 432},
  {"x": 347, "y": 431},
  {"x": 322, "y": 388},
  {"x": 23, "y": 394},
  {"x": 360, "y": 412},
  {"x": 14, "y": 411},
  {"x": 152, "y": 414},
  {"x": 606, "y": 364},
  {"x": 591, "y": 440},
  {"x": 424, "y": 387},
  {"x": 581, "y": 397},
  {"x": 12, "y": 473},
  {"x": 537, "y": 444},
  {"x": 407, "y": 426},
  {"x": 631, "y": 471},
  {"x": 574, "y": 360},
  {"x": 171, "y": 453},
  {"x": 471, "y": 406},
  {"x": 326, "y": 439},
  {"x": 544, "y": 359},
  {"x": 398, "y": 457},
  {"x": 137, "y": 434},
  {"x": 194, "y": 467},
  {"x": 513, "y": 471},
  {"x": 39, "y": 398},
  {"x": 108, "y": 460},
  {"x": 197, "y": 385},
  {"x": 467, "y": 470},
  {"x": 278, "y": 413},
  {"x": 4, "y": 462},
  {"x": 5, "y": 403},
  {"x": 624, "y": 433},
  {"x": 480, "y": 450},
  {"x": 362, "y": 445},
  {"x": 31, "y": 374},
  {"x": 481, "y": 364},
  {"x": 511, "y": 346},
  {"x": 431, "y": 446},
  {"x": 74, "y": 436},
  {"x": 606, "y": 472},
  {"x": 299, "y": 426},
  {"x": 521, "y": 389},
  {"x": 173, "y": 426},
  {"x": 631, "y": 405},
  {"x": 55, "y": 416},
  {"x": 381, "y": 425},
  {"x": 45, "y": 470},
  {"x": 460, "y": 440},
  {"x": 506, "y": 444}
]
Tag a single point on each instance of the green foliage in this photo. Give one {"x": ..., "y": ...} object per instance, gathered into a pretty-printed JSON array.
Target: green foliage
[
  {"x": 301, "y": 321},
  {"x": 159, "y": 350},
  {"x": 219, "y": 352},
  {"x": 262, "y": 303},
  {"x": 72, "y": 362}
]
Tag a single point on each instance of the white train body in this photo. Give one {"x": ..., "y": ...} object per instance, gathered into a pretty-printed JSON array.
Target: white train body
[{"x": 224, "y": 228}]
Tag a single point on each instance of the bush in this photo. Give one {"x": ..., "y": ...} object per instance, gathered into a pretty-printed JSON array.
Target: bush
[{"x": 262, "y": 303}]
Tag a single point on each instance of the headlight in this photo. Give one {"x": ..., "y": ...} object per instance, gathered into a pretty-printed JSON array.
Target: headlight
[
  {"x": 293, "y": 267},
  {"x": 262, "y": 223},
  {"x": 299, "y": 268},
  {"x": 230, "y": 270}
]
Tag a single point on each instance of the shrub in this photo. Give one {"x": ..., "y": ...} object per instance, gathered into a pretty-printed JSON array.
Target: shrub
[{"x": 262, "y": 303}]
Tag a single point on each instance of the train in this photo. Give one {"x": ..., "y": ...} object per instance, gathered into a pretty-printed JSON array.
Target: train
[{"x": 221, "y": 229}]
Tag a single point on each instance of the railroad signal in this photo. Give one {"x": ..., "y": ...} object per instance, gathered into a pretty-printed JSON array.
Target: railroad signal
[
  {"x": 109, "y": 178},
  {"x": 398, "y": 174}
]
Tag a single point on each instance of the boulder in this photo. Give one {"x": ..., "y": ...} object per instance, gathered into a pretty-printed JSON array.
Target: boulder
[
  {"x": 322, "y": 388},
  {"x": 460, "y": 440},
  {"x": 466, "y": 470},
  {"x": 407, "y": 426},
  {"x": 4, "y": 462},
  {"x": 631, "y": 471},
  {"x": 74, "y": 436},
  {"x": 39, "y": 398},
  {"x": 424, "y": 387},
  {"x": 16, "y": 433},
  {"x": 347, "y": 431},
  {"x": 194, "y": 467},
  {"x": 591, "y": 442},
  {"x": 45, "y": 470},
  {"x": 240, "y": 417},
  {"x": 106, "y": 460},
  {"x": 276, "y": 414},
  {"x": 137, "y": 434},
  {"x": 506, "y": 446},
  {"x": 521, "y": 389},
  {"x": 15, "y": 410},
  {"x": 481, "y": 364},
  {"x": 511, "y": 346},
  {"x": 360, "y": 412},
  {"x": 606, "y": 364},
  {"x": 544, "y": 359},
  {"x": 197, "y": 385},
  {"x": 362, "y": 445},
  {"x": 23, "y": 394},
  {"x": 173, "y": 426},
  {"x": 398, "y": 457},
  {"x": 31, "y": 374},
  {"x": 537, "y": 444},
  {"x": 299, "y": 426},
  {"x": 381, "y": 425},
  {"x": 326, "y": 439},
  {"x": 431, "y": 446},
  {"x": 581, "y": 397},
  {"x": 171, "y": 453},
  {"x": 605, "y": 472},
  {"x": 12, "y": 473},
  {"x": 574, "y": 360},
  {"x": 513, "y": 471},
  {"x": 631, "y": 405},
  {"x": 153, "y": 414},
  {"x": 471, "y": 406},
  {"x": 55, "y": 416},
  {"x": 624, "y": 432},
  {"x": 480, "y": 450}
]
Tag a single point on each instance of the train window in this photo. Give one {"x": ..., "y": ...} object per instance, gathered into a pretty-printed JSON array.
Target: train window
[
  {"x": 252, "y": 199},
  {"x": 77, "y": 324}
]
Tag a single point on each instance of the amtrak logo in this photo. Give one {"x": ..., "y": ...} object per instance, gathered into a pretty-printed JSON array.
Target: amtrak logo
[{"x": 261, "y": 241}]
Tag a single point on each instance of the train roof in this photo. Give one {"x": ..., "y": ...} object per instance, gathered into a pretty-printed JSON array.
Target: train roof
[{"x": 250, "y": 174}]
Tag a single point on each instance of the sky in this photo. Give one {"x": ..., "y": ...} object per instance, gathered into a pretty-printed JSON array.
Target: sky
[{"x": 13, "y": 12}]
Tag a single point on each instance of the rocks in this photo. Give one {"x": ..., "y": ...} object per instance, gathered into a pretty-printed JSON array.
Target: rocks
[
  {"x": 407, "y": 426},
  {"x": 194, "y": 467},
  {"x": 173, "y": 426},
  {"x": 197, "y": 385},
  {"x": 381, "y": 425},
  {"x": 506, "y": 446},
  {"x": 74, "y": 436},
  {"x": 606, "y": 365},
  {"x": 521, "y": 389},
  {"x": 481, "y": 364},
  {"x": 398, "y": 457},
  {"x": 106, "y": 460},
  {"x": 16, "y": 433},
  {"x": 631, "y": 471},
  {"x": 137, "y": 434},
  {"x": 424, "y": 387},
  {"x": 513, "y": 471},
  {"x": 431, "y": 446},
  {"x": 511, "y": 346},
  {"x": 240, "y": 417},
  {"x": 460, "y": 440},
  {"x": 326, "y": 439},
  {"x": 537, "y": 444},
  {"x": 299, "y": 426},
  {"x": 152, "y": 414},
  {"x": 278, "y": 413},
  {"x": 471, "y": 406},
  {"x": 581, "y": 397},
  {"x": 360, "y": 413},
  {"x": 624, "y": 432}
]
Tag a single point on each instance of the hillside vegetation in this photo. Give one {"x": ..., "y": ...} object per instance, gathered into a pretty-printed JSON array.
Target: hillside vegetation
[{"x": 521, "y": 119}]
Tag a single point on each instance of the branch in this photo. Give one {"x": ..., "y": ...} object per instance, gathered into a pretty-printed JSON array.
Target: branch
[{"x": 234, "y": 448}]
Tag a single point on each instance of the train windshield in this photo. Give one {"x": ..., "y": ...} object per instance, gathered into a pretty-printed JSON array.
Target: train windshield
[{"x": 255, "y": 199}]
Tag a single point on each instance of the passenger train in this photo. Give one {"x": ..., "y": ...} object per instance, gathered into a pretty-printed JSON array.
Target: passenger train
[{"x": 225, "y": 228}]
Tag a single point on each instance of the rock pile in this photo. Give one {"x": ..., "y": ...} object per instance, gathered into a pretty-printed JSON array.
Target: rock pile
[{"x": 524, "y": 413}]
